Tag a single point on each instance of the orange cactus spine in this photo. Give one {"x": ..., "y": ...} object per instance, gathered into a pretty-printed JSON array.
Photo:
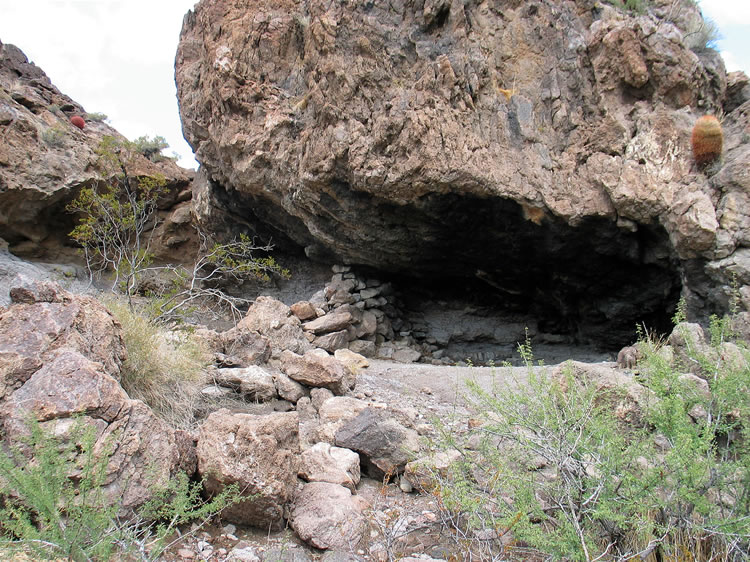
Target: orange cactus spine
[{"x": 707, "y": 140}]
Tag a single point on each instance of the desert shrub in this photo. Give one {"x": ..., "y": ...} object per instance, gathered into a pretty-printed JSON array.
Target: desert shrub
[
  {"x": 97, "y": 117},
  {"x": 703, "y": 36},
  {"x": 151, "y": 148},
  {"x": 117, "y": 218},
  {"x": 117, "y": 221},
  {"x": 553, "y": 471},
  {"x": 54, "y": 507},
  {"x": 163, "y": 367},
  {"x": 54, "y": 136}
]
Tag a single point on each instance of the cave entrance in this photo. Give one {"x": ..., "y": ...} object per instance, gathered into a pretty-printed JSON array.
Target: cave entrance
[{"x": 484, "y": 273}]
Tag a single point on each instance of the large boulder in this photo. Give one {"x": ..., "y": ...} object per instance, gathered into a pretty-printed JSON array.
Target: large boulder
[
  {"x": 274, "y": 320},
  {"x": 423, "y": 137},
  {"x": 328, "y": 516},
  {"x": 258, "y": 453},
  {"x": 385, "y": 444},
  {"x": 44, "y": 319},
  {"x": 70, "y": 390}
]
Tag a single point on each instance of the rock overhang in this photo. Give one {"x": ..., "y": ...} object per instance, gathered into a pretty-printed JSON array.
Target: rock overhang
[{"x": 543, "y": 149}]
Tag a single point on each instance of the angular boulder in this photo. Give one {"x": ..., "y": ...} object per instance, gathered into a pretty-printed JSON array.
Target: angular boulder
[
  {"x": 324, "y": 463},
  {"x": 274, "y": 320},
  {"x": 386, "y": 444},
  {"x": 70, "y": 389},
  {"x": 328, "y": 516},
  {"x": 258, "y": 453},
  {"x": 43, "y": 319},
  {"x": 313, "y": 369}
]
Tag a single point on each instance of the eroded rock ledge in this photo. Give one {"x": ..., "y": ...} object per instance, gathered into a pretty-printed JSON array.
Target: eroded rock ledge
[{"x": 540, "y": 147}]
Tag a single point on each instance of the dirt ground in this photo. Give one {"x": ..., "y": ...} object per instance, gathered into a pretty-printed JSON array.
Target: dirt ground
[{"x": 410, "y": 522}]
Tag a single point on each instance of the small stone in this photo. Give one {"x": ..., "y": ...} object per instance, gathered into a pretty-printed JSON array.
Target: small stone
[
  {"x": 186, "y": 554},
  {"x": 229, "y": 529},
  {"x": 405, "y": 485}
]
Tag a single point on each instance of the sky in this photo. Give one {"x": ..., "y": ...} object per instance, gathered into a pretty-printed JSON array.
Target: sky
[{"x": 117, "y": 56}]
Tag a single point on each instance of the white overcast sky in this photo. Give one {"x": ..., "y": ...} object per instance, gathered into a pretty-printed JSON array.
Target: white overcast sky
[{"x": 117, "y": 56}]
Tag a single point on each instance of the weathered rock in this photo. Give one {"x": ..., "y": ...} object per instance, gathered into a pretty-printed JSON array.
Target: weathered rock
[
  {"x": 363, "y": 347},
  {"x": 304, "y": 310},
  {"x": 70, "y": 387},
  {"x": 49, "y": 319},
  {"x": 45, "y": 160},
  {"x": 328, "y": 516},
  {"x": 313, "y": 370},
  {"x": 333, "y": 341},
  {"x": 274, "y": 320},
  {"x": 627, "y": 398},
  {"x": 324, "y": 463},
  {"x": 386, "y": 444},
  {"x": 689, "y": 343},
  {"x": 406, "y": 355},
  {"x": 450, "y": 155},
  {"x": 353, "y": 360},
  {"x": 253, "y": 383},
  {"x": 426, "y": 472},
  {"x": 287, "y": 388},
  {"x": 331, "y": 322},
  {"x": 260, "y": 454},
  {"x": 248, "y": 346}
]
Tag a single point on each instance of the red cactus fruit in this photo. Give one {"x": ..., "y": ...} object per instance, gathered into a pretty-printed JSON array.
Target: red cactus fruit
[
  {"x": 707, "y": 140},
  {"x": 78, "y": 121}
]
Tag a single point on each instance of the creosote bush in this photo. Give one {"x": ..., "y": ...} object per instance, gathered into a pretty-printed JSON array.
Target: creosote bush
[
  {"x": 553, "y": 472},
  {"x": 117, "y": 223}
]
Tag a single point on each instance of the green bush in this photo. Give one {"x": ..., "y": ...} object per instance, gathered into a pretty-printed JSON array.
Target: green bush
[
  {"x": 97, "y": 117},
  {"x": 54, "y": 507},
  {"x": 163, "y": 368},
  {"x": 151, "y": 147},
  {"x": 54, "y": 136},
  {"x": 553, "y": 471}
]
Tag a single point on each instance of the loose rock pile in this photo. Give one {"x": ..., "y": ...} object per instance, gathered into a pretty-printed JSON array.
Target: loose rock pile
[{"x": 360, "y": 314}]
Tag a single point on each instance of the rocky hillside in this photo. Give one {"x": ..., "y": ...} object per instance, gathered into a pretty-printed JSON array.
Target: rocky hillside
[
  {"x": 45, "y": 160},
  {"x": 540, "y": 150}
]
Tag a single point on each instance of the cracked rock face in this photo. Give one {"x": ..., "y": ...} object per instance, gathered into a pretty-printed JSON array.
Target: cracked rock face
[
  {"x": 541, "y": 147},
  {"x": 45, "y": 161}
]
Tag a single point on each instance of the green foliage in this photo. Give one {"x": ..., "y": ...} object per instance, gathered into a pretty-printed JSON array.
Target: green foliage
[
  {"x": 163, "y": 368},
  {"x": 54, "y": 136},
  {"x": 55, "y": 507},
  {"x": 555, "y": 469},
  {"x": 117, "y": 217},
  {"x": 236, "y": 261},
  {"x": 98, "y": 117},
  {"x": 151, "y": 147},
  {"x": 633, "y": 6}
]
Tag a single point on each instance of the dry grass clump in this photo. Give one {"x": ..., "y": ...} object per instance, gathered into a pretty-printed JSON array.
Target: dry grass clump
[{"x": 164, "y": 368}]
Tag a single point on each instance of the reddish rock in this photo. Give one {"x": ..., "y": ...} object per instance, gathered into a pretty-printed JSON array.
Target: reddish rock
[
  {"x": 312, "y": 369},
  {"x": 258, "y": 453}
]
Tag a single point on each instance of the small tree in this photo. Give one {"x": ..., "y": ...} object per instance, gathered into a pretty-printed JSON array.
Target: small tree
[
  {"x": 118, "y": 222},
  {"x": 151, "y": 147},
  {"x": 118, "y": 219}
]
